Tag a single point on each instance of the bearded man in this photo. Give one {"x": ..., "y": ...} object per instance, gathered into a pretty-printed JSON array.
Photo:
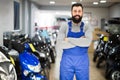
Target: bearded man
[{"x": 74, "y": 38}]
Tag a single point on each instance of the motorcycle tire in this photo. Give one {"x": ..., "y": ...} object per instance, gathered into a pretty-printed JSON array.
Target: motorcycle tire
[
  {"x": 46, "y": 72},
  {"x": 9, "y": 72},
  {"x": 107, "y": 69},
  {"x": 115, "y": 75},
  {"x": 95, "y": 56},
  {"x": 52, "y": 56},
  {"x": 96, "y": 53},
  {"x": 100, "y": 61}
]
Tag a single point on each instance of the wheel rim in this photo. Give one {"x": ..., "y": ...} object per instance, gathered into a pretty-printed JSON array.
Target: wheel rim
[
  {"x": 116, "y": 75},
  {"x": 9, "y": 74}
]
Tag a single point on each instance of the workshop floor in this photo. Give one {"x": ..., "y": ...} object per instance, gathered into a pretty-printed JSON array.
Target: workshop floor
[{"x": 95, "y": 73}]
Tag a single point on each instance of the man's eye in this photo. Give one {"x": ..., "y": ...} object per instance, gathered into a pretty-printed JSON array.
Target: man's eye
[
  {"x": 79, "y": 11},
  {"x": 75, "y": 11}
]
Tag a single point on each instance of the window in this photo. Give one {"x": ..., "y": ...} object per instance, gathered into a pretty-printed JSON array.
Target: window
[{"x": 16, "y": 15}]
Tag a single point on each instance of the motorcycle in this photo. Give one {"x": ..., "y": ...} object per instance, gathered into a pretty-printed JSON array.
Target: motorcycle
[
  {"x": 100, "y": 51},
  {"x": 7, "y": 65},
  {"x": 98, "y": 48},
  {"x": 113, "y": 64},
  {"x": 19, "y": 41},
  {"x": 112, "y": 71},
  {"x": 44, "y": 42},
  {"x": 30, "y": 65}
]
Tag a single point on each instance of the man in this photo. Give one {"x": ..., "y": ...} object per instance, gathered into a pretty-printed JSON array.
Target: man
[{"x": 74, "y": 38}]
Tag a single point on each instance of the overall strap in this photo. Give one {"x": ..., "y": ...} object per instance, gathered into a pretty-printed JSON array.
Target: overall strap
[
  {"x": 70, "y": 25},
  {"x": 81, "y": 26}
]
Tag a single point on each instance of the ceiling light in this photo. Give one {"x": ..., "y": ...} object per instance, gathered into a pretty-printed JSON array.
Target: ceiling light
[
  {"x": 103, "y": 1},
  {"x": 73, "y": 2},
  {"x": 57, "y": 13},
  {"x": 80, "y": 0},
  {"x": 52, "y": 2},
  {"x": 95, "y": 3}
]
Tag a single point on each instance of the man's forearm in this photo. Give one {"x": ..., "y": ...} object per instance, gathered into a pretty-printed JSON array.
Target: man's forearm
[
  {"x": 64, "y": 44},
  {"x": 82, "y": 42}
]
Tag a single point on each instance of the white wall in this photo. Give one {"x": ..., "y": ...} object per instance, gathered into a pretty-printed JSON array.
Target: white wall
[
  {"x": 96, "y": 13},
  {"x": 115, "y": 11},
  {"x": 33, "y": 11},
  {"x": 27, "y": 15},
  {"x": 6, "y": 17},
  {"x": 46, "y": 18}
]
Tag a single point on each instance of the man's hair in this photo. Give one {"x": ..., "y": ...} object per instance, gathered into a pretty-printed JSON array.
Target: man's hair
[{"x": 76, "y": 4}]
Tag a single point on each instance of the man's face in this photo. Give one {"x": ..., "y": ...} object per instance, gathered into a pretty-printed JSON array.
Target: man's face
[{"x": 77, "y": 14}]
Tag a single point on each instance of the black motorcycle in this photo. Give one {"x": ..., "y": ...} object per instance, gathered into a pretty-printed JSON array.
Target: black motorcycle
[
  {"x": 99, "y": 53},
  {"x": 17, "y": 42},
  {"x": 113, "y": 64},
  {"x": 44, "y": 43},
  {"x": 112, "y": 71}
]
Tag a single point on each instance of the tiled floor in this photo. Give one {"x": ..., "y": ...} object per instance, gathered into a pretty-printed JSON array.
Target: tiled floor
[{"x": 95, "y": 74}]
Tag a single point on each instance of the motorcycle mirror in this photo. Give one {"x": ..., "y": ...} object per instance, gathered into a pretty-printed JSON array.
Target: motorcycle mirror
[
  {"x": 26, "y": 36},
  {"x": 107, "y": 31}
]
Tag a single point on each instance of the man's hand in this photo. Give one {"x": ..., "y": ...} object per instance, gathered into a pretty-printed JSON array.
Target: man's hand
[
  {"x": 83, "y": 36},
  {"x": 66, "y": 39}
]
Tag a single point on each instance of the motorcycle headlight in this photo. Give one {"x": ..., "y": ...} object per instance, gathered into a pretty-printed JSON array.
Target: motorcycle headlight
[
  {"x": 42, "y": 54},
  {"x": 47, "y": 54},
  {"x": 25, "y": 72},
  {"x": 112, "y": 51},
  {"x": 36, "y": 68}
]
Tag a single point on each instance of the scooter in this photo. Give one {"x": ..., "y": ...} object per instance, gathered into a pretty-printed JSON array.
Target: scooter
[
  {"x": 7, "y": 65},
  {"x": 30, "y": 65}
]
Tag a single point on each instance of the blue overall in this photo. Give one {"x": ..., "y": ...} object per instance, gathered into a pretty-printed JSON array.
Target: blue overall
[{"x": 75, "y": 60}]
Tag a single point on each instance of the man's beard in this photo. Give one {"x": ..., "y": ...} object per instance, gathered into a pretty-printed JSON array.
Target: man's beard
[{"x": 76, "y": 20}]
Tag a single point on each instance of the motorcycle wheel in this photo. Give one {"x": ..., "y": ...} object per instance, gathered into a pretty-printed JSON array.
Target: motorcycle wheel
[
  {"x": 46, "y": 72},
  {"x": 10, "y": 72},
  {"x": 52, "y": 55},
  {"x": 96, "y": 52},
  {"x": 115, "y": 75},
  {"x": 95, "y": 56},
  {"x": 107, "y": 68},
  {"x": 100, "y": 60}
]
